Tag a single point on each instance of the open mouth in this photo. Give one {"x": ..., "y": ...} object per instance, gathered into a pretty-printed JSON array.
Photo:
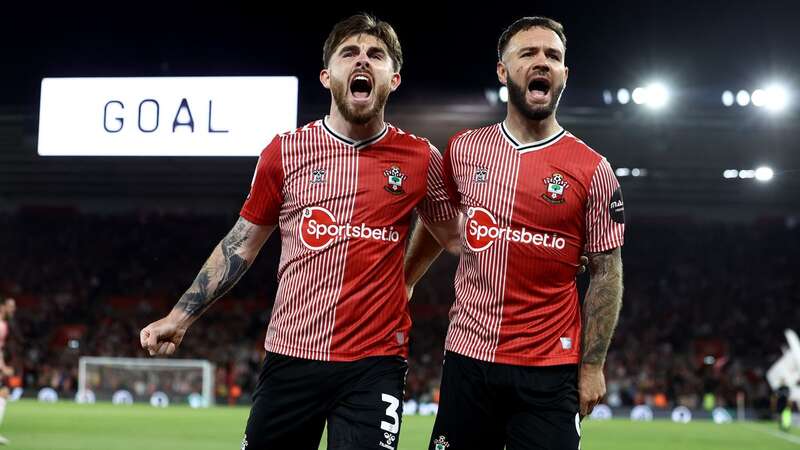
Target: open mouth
[
  {"x": 539, "y": 87},
  {"x": 360, "y": 86}
]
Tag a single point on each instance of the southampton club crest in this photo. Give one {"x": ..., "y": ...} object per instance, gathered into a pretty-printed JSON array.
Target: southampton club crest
[
  {"x": 481, "y": 175},
  {"x": 317, "y": 176},
  {"x": 556, "y": 185},
  {"x": 394, "y": 180},
  {"x": 441, "y": 443}
]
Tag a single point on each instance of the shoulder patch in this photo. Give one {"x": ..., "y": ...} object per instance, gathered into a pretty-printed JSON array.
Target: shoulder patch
[{"x": 616, "y": 207}]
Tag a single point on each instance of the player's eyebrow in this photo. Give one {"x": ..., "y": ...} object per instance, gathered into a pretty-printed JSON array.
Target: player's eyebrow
[
  {"x": 357, "y": 49},
  {"x": 553, "y": 50},
  {"x": 349, "y": 48}
]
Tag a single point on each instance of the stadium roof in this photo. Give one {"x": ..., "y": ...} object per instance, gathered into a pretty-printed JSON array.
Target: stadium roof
[{"x": 449, "y": 47}]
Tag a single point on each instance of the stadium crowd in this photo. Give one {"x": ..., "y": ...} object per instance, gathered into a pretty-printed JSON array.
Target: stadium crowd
[{"x": 704, "y": 311}]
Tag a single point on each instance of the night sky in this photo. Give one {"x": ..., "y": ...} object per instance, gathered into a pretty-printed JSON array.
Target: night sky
[{"x": 701, "y": 47}]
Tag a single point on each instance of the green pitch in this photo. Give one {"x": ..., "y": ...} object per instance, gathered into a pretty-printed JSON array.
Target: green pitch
[{"x": 33, "y": 426}]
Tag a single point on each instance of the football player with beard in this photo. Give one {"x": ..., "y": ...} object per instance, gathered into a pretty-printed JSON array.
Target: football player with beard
[{"x": 342, "y": 191}]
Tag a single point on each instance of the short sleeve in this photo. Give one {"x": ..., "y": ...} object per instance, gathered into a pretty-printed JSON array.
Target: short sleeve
[
  {"x": 264, "y": 201},
  {"x": 436, "y": 205},
  {"x": 605, "y": 214}
]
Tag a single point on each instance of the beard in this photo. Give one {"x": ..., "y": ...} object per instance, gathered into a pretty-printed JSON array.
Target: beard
[
  {"x": 516, "y": 96},
  {"x": 359, "y": 116}
]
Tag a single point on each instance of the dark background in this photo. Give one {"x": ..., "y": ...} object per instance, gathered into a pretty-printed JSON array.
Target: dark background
[{"x": 449, "y": 47}]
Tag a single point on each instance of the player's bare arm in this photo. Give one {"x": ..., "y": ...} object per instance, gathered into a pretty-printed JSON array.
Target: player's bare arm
[
  {"x": 426, "y": 244},
  {"x": 228, "y": 262},
  {"x": 600, "y": 313}
]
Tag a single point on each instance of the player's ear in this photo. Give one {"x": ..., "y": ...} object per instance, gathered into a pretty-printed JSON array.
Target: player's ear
[
  {"x": 325, "y": 78},
  {"x": 395, "y": 81},
  {"x": 501, "y": 72}
]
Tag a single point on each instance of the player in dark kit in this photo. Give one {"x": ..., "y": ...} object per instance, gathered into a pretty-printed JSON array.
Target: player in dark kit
[
  {"x": 524, "y": 361},
  {"x": 342, "y": 191}
]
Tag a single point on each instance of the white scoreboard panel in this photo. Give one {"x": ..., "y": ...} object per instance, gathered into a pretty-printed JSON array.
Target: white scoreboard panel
[{"x": 164, "y": 116}]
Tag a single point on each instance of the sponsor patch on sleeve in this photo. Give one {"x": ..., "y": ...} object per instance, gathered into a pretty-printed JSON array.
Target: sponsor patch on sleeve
[{"x": 617, "y": 207}]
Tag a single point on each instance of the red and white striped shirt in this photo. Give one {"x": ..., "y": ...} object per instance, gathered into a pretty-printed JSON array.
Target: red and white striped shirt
[
  {"x": 531, "y": 211},
  {"x": 344, "y": 209}
]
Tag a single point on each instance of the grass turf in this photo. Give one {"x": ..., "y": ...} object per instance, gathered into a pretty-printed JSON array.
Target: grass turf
[{"x": 67, "y": 426}]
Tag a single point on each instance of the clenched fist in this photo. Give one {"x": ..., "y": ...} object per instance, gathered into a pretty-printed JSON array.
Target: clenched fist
[
  {"x": 162, "y": 337},
  {"x": 591, "y": 387}
]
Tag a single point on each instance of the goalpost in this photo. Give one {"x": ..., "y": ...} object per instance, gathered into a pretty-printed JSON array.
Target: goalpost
[{"x": 159, "y": 380}]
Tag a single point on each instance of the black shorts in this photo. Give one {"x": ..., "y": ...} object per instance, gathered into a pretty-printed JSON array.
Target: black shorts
[
  {"x": 362, "y": 402},
  {"x": 490, "y": 406}
]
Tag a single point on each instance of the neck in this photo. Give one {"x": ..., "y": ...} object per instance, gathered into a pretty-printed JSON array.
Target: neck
[
  {"x": 528, "y": 130},
  {"x": 354, "y": 131}
]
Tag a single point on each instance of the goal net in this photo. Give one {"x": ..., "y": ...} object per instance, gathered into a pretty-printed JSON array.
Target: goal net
[{"x": 158, "y": 381}]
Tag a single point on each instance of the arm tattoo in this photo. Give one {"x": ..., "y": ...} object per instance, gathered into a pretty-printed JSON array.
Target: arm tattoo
[
  {"x": 602, "y": 305},
  {"x": 221, "y": 271}
]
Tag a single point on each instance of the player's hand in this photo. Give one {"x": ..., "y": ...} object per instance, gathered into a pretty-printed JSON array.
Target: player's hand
[
  {"x": 583, "y": 263},
  {"x": 7, "y": 371},
  {"x": 162, "y": 337},
  {"x": 591, "y": 387}
]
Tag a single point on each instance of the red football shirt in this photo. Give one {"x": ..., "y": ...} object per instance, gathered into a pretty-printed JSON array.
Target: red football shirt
[
  {"x": 531, "y": 211},
  {"x": 344, "y": 209}
]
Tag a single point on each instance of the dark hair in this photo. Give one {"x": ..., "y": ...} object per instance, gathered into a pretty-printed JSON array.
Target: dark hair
[
  {"x": 363, "y": 24},
  {"x": 526, "y": 23}
]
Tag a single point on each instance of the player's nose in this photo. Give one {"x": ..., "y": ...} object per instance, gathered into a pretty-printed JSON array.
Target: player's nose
[
  {"x": 540, "y": 65},
  {"x": 362, "y": 59}
]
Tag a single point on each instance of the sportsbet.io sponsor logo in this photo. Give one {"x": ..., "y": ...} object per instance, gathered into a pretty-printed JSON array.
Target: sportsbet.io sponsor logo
[
  {"x": 481, "y": 231},
  {"x": 319, "y": 228}
]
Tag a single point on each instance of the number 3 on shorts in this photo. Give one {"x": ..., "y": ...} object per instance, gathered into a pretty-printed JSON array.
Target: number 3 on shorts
[{"x": 391, "y": 412}]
